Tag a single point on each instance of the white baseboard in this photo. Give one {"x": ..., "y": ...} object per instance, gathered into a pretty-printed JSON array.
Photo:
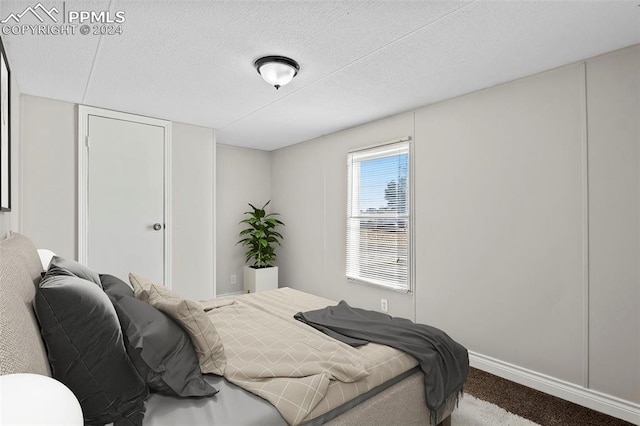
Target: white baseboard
[{"x": 589, "y": 398}]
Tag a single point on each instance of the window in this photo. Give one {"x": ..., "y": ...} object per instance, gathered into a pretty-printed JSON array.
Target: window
[{"x": 378, "y": 216}]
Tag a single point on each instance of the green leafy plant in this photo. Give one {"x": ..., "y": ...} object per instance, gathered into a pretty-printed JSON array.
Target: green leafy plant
[{"x": 260, "y": 236}]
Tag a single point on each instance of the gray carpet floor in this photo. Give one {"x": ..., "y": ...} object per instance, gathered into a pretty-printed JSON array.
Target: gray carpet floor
[{"x": 534, "y": 405}]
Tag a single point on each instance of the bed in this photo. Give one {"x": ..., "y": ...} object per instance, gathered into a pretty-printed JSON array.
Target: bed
[{"x": 331, "y": 384}]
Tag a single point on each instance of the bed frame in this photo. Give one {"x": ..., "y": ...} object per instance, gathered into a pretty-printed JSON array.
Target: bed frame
[{"x": 402, "y": 403}]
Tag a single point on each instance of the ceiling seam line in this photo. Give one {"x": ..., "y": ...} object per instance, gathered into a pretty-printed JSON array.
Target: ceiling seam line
[
  {"x": 93, "y": 62},
  {"x": 351, "y": 63}
]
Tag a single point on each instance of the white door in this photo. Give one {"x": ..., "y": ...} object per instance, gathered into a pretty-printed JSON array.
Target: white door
[{"x": 125, "y": 203}]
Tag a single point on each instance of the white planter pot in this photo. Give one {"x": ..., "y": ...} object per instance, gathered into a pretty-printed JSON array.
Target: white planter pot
[{"x": 260, "y": 279}]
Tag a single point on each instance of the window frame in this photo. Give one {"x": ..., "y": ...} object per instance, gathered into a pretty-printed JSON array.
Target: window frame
[{"x": 395, "y": 147}]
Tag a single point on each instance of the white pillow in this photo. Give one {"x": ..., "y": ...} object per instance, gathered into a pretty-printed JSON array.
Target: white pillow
[{"x": 45, "y": 257}]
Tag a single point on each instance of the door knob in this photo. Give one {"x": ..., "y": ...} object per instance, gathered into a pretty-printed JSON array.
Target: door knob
[{"x": 157, "y": 226}]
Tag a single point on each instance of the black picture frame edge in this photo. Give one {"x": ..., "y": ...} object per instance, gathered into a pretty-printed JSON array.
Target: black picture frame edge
[{"x": 6, "y": 174}]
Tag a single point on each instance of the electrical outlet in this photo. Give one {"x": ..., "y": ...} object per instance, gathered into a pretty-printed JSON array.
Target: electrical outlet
[
  {"x": 384, "y": 306},
  {"x": 234, "y": 279}
]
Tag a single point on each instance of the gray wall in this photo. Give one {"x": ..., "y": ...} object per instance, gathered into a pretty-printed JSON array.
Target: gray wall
[
  {"x": 193, "y": 201},
  {"x": 49, "y": 172},
  {"x": 613, "y": 87},
  {"x": 49, "y": 190},
  {"x": 527, "y": 235},
  {"x": 243, "y": 176},
  {"x": 500, "y": 187},
  {"x": 10, "y": 221}
]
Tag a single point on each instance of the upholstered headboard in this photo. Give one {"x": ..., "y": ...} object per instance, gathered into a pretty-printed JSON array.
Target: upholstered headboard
[{"x": 21, "y": 347}]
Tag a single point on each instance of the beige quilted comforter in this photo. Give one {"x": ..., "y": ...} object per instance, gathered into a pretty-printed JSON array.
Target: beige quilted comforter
[{"x": 301, "y": 371}]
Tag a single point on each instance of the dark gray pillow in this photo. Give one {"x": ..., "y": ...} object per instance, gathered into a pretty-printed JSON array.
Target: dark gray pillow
[
  {"x": 84, "y": 344},
  {"x": 77, "y": 269},
  {"x": 114, "y": 285},
  {"x": 160, "y": 349}
]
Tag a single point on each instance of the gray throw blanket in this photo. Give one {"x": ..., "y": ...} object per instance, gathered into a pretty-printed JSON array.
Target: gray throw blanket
[{"x": 445, "y": 363}]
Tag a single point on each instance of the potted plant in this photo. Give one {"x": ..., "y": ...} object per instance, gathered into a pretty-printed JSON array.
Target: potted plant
[{"x": 260, "y": 237}]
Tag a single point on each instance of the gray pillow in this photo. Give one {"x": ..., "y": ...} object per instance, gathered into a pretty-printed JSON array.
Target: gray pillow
[
  {"x": 77, "y": 269},
  {"x": 114, "y": 285},
  {"x": 160, "y": 349},
  {"x": 86, "y": 351}
]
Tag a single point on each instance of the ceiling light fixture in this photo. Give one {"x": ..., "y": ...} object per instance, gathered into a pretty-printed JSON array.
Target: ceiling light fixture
[{"x": 277, "y": 70}]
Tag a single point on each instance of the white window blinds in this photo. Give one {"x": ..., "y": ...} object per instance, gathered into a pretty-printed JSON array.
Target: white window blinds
[{"x": 378, "y": 240}]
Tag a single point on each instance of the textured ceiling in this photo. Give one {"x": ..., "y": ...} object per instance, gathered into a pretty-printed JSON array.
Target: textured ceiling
[{"x": 192, "y": 61}]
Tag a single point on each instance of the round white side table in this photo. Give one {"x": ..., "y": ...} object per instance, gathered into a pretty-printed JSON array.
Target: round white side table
[{"x": 33, "y": 399}]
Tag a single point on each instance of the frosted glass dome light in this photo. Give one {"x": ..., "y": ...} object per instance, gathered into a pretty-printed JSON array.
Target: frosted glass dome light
[{"x": 277, "y": 70}]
